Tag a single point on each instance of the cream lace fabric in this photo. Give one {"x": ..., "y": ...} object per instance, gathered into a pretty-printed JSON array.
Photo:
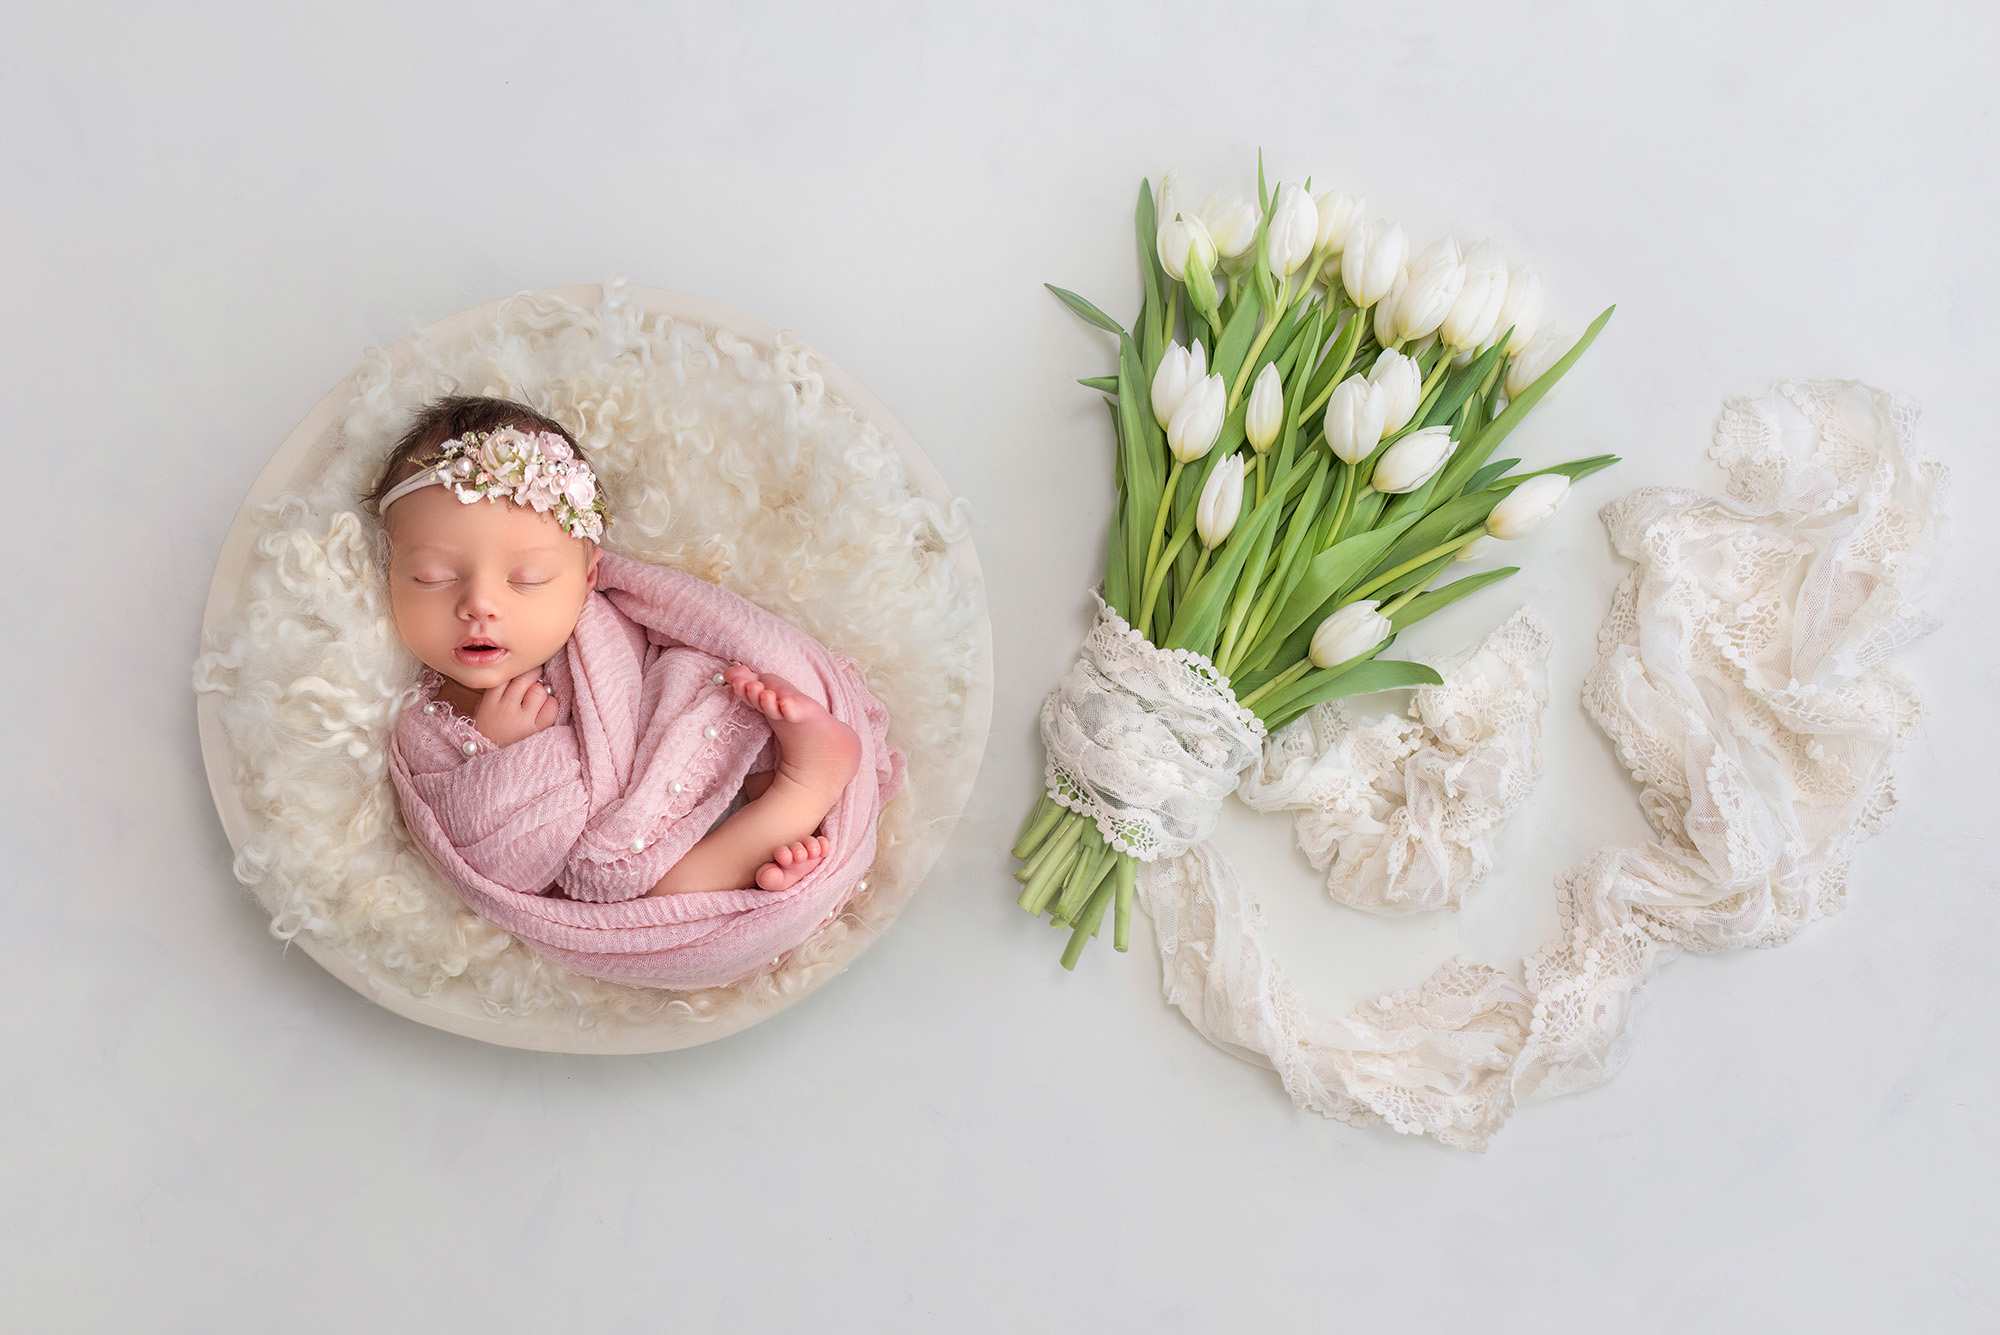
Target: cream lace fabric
[
  {"x": 1743, "y": 674},
  {"x": 1400, "y": 810},
  {"x": 1147, "y": 742}
]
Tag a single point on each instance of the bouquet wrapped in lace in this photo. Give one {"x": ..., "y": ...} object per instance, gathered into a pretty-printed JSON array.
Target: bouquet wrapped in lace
[{"x": 1306, "y": 419}]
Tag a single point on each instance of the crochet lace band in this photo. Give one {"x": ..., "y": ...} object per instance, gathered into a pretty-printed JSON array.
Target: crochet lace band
[{"x": 1147, "y": 742}]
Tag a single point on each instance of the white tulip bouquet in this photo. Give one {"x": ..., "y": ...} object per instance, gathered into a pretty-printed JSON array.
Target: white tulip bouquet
[{"x": 1306, "y": 420}]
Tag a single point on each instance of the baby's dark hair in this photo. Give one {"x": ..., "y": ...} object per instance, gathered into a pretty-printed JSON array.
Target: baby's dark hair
[{"x": 448, "y": 419}]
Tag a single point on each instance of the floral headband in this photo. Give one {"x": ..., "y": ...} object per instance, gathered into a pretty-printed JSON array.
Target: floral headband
[{"x": 537, "y": 469}]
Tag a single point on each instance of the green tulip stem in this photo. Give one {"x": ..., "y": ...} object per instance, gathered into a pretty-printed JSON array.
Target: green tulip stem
[
  {"x": 1257, "y": 347},
  {"x": 1319, "y": 400},
  {"x": 1397, "y": 605},
  {"x": 1312, "y": 275},
  {"x": 1160, "y": 520},
  {"x": 1282, "y": 680},
  {"x": 1159, "y": 577},
  {"x": 1409, "y": 565},
  {"x": 1358, "y": 477},
  {"x": 1040, "y": 821},
  {"x": 1437, "y": 375}
]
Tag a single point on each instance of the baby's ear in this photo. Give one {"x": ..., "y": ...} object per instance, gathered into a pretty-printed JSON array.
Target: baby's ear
[{"x": 590, "y": 570}]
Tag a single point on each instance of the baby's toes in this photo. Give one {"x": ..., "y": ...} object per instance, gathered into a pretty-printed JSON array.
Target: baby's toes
[
  {"x": 771, "y": 876},
  {"x": 736, "y": 674}
]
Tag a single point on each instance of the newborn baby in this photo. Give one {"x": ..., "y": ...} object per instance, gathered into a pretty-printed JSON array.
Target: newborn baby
[{"x": 497, "y": 584}]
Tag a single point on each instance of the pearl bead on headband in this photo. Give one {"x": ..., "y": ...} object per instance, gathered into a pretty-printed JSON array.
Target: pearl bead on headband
[{"x": 537, "y": 469}]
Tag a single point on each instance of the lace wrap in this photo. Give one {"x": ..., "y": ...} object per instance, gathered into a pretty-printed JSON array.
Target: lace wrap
[
  {"x": 1743, "y": 676},
  {"x": 1400, "y": 811},
  {"x": 1147, "y": 742}
]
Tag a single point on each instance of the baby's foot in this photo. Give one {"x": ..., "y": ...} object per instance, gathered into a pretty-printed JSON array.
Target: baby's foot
[
  {"x": 815, "y": 749},
  {"x": 790, "y": 863}
]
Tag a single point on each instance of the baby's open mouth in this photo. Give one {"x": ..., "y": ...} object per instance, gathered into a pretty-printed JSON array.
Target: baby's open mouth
[{"x": 478, "y": 653}]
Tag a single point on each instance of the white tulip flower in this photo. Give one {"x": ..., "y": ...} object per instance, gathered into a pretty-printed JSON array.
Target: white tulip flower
[
  {"x": 1166, "y": 199},
  {"x": 1197, "y": 419},
  {"x": 1522, "y": 310},
  {"x": 1354, "y": 419},
  {"x": 1373, "y": 257},
  {"x": 1231, "y": 223},
  {"x": 1410, "y": 462},
  {"x": 1184, "y": 241},
  {"x": 1349, "y": 633},
  {"x": 1265, "y": 414},
  {"x": 1544, "y": 350},
  {"x": 1180, "y": 370},
  {"x": 1474, "y": 316},
  {"x": 1338, "y": 212},
  {"x": 1221, "y": 502},
  {"x": 1402, "y": 386},
  {"x": 1475, "y": 549},
  {"x": 1528, "y": 507},
  {"x": 1292, "y": 233},
  {"x": 1385, "y": 310},
  {"x": 1431, "y": 287}
]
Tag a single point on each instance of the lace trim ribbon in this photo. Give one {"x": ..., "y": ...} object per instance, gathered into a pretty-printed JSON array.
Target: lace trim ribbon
[
  {"x": 1147, "y": 742},
  {"x": 1761, "y": 721}
]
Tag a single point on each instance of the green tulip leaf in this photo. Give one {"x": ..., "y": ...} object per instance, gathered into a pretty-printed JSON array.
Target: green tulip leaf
[
  {"x": 1325, "y": 576},
  {"x": 1450, "y": 520},
  {"x": 1574, "y": 470},
  {"x": 1364, "y": 678},
  {"x": 1234, "y": 344},
  {"x": 1486, "y": 476},
  {"x": 1152, "y": 331},
  {"x": 1424, "y": 604},
  {"x": 1460, "y": 385},
  {"x": 1085, "y": 309}
]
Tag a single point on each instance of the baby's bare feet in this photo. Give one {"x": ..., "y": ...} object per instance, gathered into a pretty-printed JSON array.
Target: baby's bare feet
[
  {"x": 790, "y": 863},
  {"x": 815, "y": 750}
]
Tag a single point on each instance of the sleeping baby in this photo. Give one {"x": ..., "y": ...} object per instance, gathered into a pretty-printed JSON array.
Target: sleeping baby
[{"x": 592, "y": 732}]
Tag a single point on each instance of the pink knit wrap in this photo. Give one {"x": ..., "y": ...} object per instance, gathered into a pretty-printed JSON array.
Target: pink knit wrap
[{"x": 646, "y": 754}]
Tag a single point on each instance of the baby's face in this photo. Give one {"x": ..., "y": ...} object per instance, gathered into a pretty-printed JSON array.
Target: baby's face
[{"x": 486, "y": 591}]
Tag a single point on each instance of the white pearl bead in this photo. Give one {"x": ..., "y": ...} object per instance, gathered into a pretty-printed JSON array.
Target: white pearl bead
[
  {"x": 709, "y": 732},
  {"x": 431, "y": 708},
  {"x": 718, "y": 679},
  {"x": 638, "y": 845},
  {"x": 470, "y": 748},
  {"x": 675, "y": 787}
]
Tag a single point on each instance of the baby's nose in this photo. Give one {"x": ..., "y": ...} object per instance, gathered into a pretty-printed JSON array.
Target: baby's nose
[{"x": 477, "y": 602}]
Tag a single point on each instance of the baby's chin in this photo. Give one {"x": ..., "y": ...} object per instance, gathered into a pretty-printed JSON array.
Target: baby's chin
[{"x": 485, "y": 676}]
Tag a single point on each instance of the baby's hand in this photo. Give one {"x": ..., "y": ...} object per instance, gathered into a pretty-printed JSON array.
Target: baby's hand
[{"x": 515, "y": 709}]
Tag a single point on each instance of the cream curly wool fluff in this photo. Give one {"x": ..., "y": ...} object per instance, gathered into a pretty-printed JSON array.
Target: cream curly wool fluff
[{"x": 724, "y": 459}]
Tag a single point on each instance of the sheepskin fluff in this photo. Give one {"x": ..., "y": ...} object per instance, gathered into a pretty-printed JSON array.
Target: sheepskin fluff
[{"x": 721, "y": 458}]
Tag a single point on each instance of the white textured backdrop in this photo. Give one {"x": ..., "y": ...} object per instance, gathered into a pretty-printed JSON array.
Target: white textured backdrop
[{"x": 207, "y": 211}]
